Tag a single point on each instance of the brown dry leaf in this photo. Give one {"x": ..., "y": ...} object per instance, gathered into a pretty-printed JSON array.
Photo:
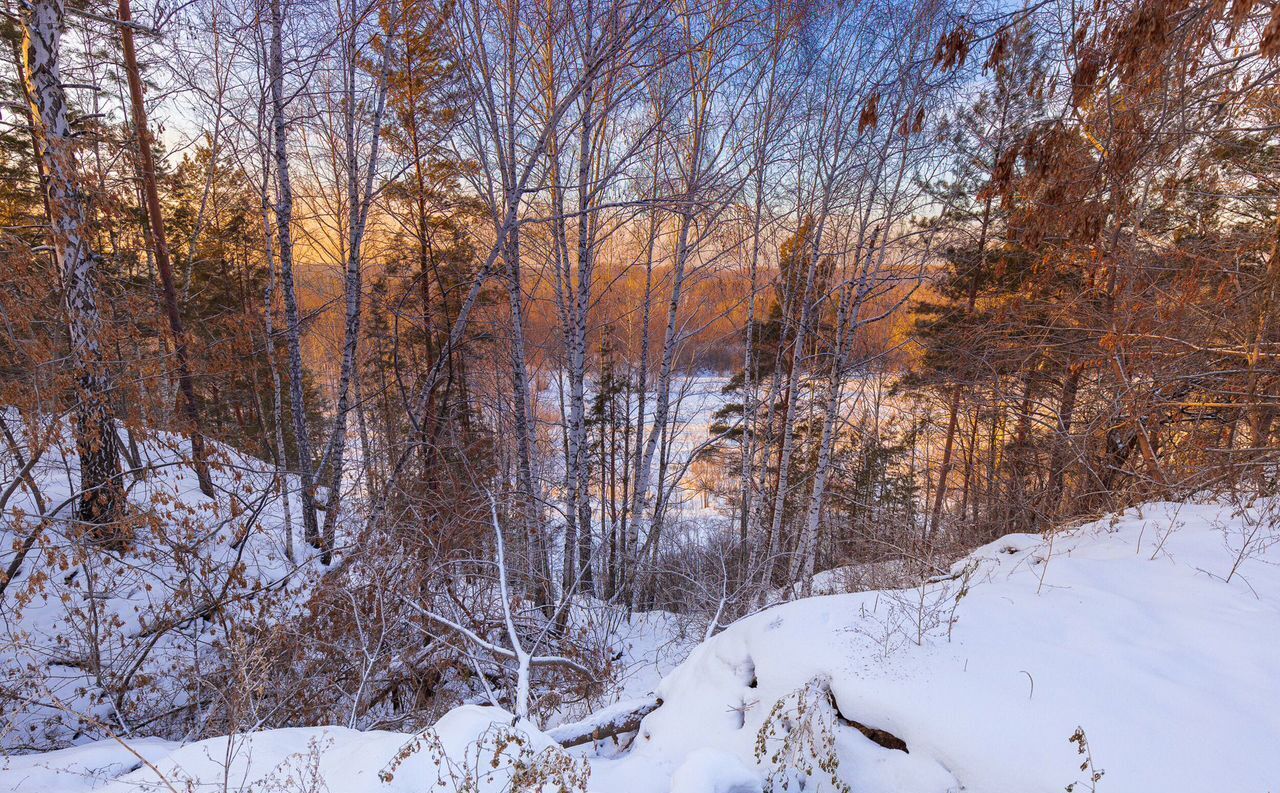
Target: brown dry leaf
[
  {"x": 1271, "y": 36},
  {"x": 870, "y": 113},
  {"x": 1239, "y": 13},
  {"x": 1085, "y": 76}
]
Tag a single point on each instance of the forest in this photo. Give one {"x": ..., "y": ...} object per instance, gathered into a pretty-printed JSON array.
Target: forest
[{"x": 364, "y": 360}]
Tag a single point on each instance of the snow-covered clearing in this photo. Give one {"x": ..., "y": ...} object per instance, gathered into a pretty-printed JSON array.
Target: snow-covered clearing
[{"x": 1148, "y": 636}]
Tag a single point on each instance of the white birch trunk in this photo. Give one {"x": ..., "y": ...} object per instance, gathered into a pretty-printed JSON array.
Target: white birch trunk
[
  {"x": 359, "y": 201},
  {"x": 792, "y": 391},
  {"x": 284, "y": 233},
  {"x": 96, "y": 442},
  {"x": 277, "y": 406},
  {"x": 802, "y": 563}
]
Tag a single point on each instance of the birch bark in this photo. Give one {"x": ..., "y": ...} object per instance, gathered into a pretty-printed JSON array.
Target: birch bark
[
  {"x": 102, "y": 498},
  {"x": 284, "y": 236},
  {"x": 359, "y": 201}
]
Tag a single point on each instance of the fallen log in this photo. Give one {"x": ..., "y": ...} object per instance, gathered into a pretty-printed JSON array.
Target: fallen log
[
  {"x": 617, "y": 719},
  {"x": 876, "y": 735}
]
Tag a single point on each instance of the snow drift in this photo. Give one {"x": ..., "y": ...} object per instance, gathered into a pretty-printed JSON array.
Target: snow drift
[
  {"x": 1127, "y": 628},
  {"x": 1142, "y": 647}
]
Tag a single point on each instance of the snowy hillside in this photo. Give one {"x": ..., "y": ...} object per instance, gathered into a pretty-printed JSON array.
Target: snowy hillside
[
  {"x": 1126, "y": 629},
  {"x": 90, "y": 636},
  {"x": 1150, "y": 637}
]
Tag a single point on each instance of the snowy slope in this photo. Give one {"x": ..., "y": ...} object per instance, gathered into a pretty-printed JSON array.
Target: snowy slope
[
  {"x": 1127, "y": 628},
  {"x": 80, "y": 621}
]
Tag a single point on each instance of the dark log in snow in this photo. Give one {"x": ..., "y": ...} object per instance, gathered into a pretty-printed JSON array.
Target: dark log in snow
[{"x": 617, "y": 719}]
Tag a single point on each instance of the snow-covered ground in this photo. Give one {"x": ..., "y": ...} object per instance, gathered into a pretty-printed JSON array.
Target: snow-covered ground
[
  {"x": 1126, "y": 629},
  {"x": 77, "y": 625},
  {"x": 1151, "y": 637}
]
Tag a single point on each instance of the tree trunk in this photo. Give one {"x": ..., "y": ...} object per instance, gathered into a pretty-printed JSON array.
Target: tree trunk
[
  {"x": 358, "y": 203},
  {"x": 847, "y": 317},
  {"x": 159, "y": 240},
  {"x": 1062, "y": 445},
  {"x": 578, "y": 508},
  {"x": 284, "y": 234},
  {"x": 639, "y": 476},
  {"x": 102, "y": 495},
  {"x": 277, "y": 407},
  {"x": 662, "y": 403},
  {"x": 944, "y": 469},
  {"x": 795, "y": 366}
]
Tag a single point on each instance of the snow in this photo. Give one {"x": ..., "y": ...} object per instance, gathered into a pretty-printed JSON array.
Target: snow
[
  {"x": 147, "y": 613},
  {"x": 350, "y": 760},
  {"x": 85, "y": 767},
  {"x": 652, "y": 644},
  {"x": 1149, "y": 631},
  {"x": 714, "y": 771},
  {"x": 1127, "y": 629},
  {"x": 469, "y": 744}
]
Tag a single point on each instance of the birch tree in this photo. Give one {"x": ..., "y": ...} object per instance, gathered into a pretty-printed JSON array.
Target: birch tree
[
  {"x": 102, "y": 494},
  {"x": 708, "y": 177},
  {"x": 881, "y": 186},
  {"x": 510, "y": 140},
  {"x": 360, "y": 194},
  {"x": 284, "y": 246}
]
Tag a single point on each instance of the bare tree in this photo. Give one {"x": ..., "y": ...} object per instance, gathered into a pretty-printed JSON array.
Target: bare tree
[
  {"x": 284, "y": 241},
  {"x": 359, "y": 199},
  {"x": 102, "y": 501},
  {"x": 160, "y": 245}
]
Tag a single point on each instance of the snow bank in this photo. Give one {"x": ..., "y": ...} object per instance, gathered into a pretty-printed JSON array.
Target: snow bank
[
  {"x": 714, "y": 771},
  {"x": 472, "y": 748},
  {"x": 470, "y": 745},
  {"x": 1148, "y": 637},
  {"x": 85, "y": 767},
  {"x": 1126, "y": 628}
]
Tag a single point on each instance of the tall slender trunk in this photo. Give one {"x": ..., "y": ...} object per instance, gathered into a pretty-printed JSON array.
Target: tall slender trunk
[
  {"x": 102, "y": 494},
  {"x": 1260, "y": 412},
  {"x": 1062, "y": 444},
  {"x": 795, "y": 366},
  {"x": 944, "y": 470},
  {"x": 662, "y": 404},
  {"x": 159, "y": 240},
  {"x": 640, "y": 484},
  {"x": 970, "y": 455},
  {"x": 1018, "y": 465},
  {"x": 284, "y": 234},
  {"x": 576, "y": 483},
  {"x": 359, "y": 201},
  {"x": 521, "y": 393},
  {"x": 767, "y": 423},
  {"x": 277, "y": 407},
  {"x": 692, "y": 185},
  {"x": 748, "y": 492},
  {"x": 802, "y": 564}
]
